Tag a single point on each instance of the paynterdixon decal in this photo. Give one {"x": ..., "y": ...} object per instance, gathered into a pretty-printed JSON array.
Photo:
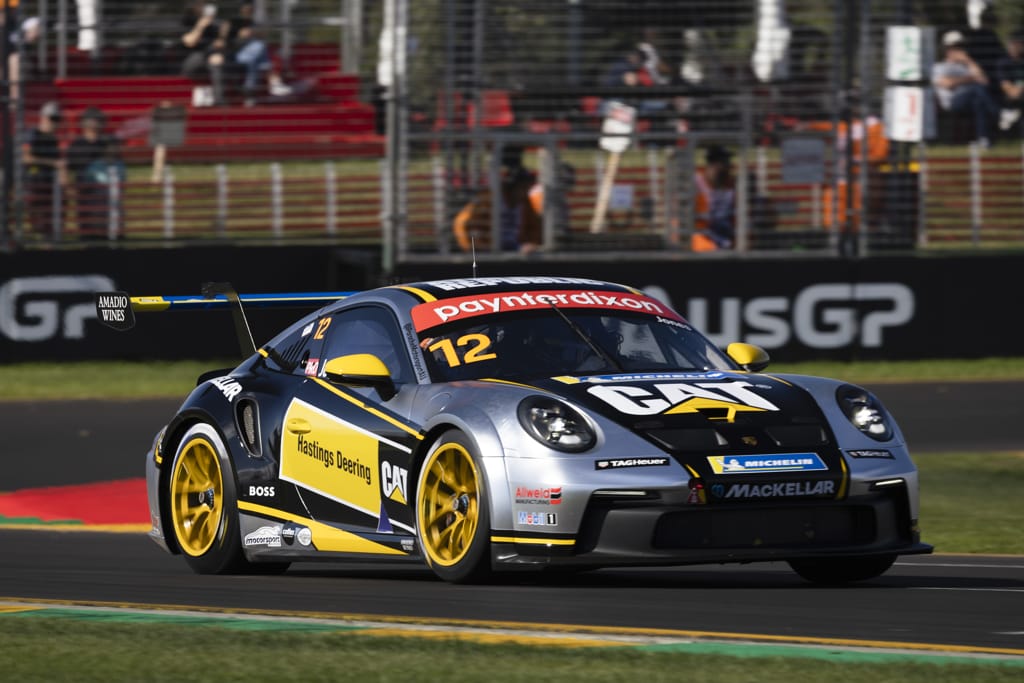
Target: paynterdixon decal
[
  {"x": 429, "y": 314},
  {"x": 756, "y": 464},
  {"x": 335, "y": 458},
  {"x": 673, "y": 398}
]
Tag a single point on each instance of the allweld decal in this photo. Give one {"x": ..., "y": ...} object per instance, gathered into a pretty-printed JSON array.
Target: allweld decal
[{"x": 433, "y": 313}]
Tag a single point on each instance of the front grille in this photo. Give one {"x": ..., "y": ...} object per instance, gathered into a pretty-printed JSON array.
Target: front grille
[{"x": 812, "y": 525}]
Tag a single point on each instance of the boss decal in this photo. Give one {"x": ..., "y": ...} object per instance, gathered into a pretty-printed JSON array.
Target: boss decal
[
  {"x": 261, "y": 491},
  {"x": 789, "y": 489},
  {"x": 669, "y": 398},
  {"x": 754, "y": 464}
]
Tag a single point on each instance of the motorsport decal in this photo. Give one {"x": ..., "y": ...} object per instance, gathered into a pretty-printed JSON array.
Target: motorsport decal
[
  {"x": 538, "y": 518},
  {"x": 228, "y": 386},
  {"x": 550, "y": 495},
  {"x": 618, "y": 463},
  {"x": 340, "y": 460},
  {"x": 431, "y": 313},
  {"x": 269, "y": 536},
  {"x": 677, "y": 397},
  {"x": 757, "y": 464},
  {"x": 789, "y": 489}
]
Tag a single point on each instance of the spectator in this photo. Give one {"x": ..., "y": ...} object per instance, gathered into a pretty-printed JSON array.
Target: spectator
[
  {"x": 983, "y": 43},
  {"x": 204, "y": 42},
  {"x": 250, "y": 56},
  {"x": 715, "y": 202},
  {"x": 961, "y": 86},
  {"x": 45, "y": 173},
  {"x": 1010, "y": 72},
  {"x": 520, "y": 224},
  {"x": 94, "y": 159}
]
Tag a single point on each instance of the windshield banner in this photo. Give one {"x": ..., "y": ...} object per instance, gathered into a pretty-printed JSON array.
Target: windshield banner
[{"x": 435, "y": 313}]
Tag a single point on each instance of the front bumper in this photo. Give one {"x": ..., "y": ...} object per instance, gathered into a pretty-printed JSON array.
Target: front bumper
[{"x": 664, "y": 529}]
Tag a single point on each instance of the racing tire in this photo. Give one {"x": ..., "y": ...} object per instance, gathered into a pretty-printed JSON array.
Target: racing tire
[
  {"x": 203, "y": 506},
  {"x": 837, "y": 570},
  {"x": 452, "y": 517}
]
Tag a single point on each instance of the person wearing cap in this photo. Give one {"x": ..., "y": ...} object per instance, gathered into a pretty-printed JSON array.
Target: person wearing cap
[
  {"x": 45, "y": 173},
  {"x": 91, "y": 156},
  {"x": 961, "y": 86},
  {"x": 1010, "y": 72},
  {"x": 715, "y": 202}
]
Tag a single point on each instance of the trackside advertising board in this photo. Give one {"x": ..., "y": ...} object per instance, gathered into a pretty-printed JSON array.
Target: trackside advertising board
[{"x": 797, "y": 309}]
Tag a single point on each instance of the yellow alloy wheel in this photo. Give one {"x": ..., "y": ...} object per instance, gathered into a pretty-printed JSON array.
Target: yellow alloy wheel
[
  {"x": 449, "y": 504},
  {"x": 197, "y": 496}
]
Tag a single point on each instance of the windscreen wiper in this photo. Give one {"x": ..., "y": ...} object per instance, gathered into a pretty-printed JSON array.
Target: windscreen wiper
[{"x": 595, "y": 347}]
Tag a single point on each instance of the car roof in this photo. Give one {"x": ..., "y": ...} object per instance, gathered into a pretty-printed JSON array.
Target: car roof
[{"x": 457, "y": 287}]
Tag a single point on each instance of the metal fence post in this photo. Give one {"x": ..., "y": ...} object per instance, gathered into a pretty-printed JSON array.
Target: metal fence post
[
  {"x": 168, "y": 197},
  {"x": 222, "y": 199},
  {"x": 57, "y": 209},
  {"x": 276, "y": 200},
  {"x": 113, "y": 202},
  {"x": 437, "y": 195},
  {"x": 974, "y": 151},
  {"x": 331, "y": 198}
]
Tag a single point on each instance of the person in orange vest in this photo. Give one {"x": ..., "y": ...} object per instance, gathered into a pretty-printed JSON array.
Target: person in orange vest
[
  {"x": 714, "y": 202},
  {"x": 519, "y": 222},
  {"x": 877, "y": 155}
]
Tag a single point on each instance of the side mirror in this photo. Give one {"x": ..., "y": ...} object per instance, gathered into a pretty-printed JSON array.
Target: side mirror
[
  {"x": 749, "y": 357},
  {"x": 361, "y": 370}
]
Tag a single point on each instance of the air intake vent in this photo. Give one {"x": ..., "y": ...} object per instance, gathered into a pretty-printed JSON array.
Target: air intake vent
[
  {"x": 797, "y": 436},
  {"x": 247, "y": 417},
  {"x": 687, "y": 439}
]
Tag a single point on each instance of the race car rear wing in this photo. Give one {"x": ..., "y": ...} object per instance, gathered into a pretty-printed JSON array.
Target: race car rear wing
[{"x": 117, "y": 310}]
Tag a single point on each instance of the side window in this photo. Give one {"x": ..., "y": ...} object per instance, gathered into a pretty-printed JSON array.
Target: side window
[
  {"x": 297, "y": 351},
  {"x": 367, "y": 329}
]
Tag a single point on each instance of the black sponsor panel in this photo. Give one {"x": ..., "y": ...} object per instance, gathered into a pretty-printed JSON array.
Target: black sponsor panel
[
  {"x": 808, "y": 309},
  {"x": 897, "y": 307},
  {"x": 48, "y": 305}
]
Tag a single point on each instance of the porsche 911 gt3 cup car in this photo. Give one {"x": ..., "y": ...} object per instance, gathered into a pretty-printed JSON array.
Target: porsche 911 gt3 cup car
[{"x": 495, "y": 424}]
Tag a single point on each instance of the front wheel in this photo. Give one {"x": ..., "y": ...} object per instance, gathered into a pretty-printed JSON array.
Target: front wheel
[
  {"x": 835, "y": 570},
  {"x": 452, "y": 519},
  {"x": 203, "y": 506}
]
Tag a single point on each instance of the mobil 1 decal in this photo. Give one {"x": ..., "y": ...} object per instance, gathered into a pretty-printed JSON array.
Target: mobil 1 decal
[{"x": 347, "y": 464}]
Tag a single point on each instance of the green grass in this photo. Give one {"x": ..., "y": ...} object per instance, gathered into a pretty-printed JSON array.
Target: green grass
[
  {"x": 39, "y": 648},
  {"x": 970, "y": 502},
  {"x": 133, "y": 380}
]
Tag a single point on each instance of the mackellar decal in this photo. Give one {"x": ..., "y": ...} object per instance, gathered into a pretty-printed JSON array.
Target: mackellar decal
[
  {"x": 677, "y": 397},
  {"x": 433, "y": 313}
]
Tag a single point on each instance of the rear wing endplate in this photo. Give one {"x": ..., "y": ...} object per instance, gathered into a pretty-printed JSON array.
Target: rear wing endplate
[{"x": 117, "y": 309}]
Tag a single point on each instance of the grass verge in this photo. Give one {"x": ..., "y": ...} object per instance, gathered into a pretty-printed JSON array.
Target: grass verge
[
  {"x": 174, "y": 379},
  {"x": 55, "y": 649}
]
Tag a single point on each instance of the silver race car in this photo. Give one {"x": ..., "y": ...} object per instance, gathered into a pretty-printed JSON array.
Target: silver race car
[{"x": 521, "y": 423}]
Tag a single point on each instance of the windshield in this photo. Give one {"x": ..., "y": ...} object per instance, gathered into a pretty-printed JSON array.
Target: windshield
[{"x": 543, "y": 343}]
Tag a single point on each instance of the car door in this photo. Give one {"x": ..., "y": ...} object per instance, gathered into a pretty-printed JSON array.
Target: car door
[{"x": 349, "y": 448}]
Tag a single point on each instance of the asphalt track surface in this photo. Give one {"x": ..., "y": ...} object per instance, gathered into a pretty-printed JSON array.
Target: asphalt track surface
[{"x": 942, "y": 600}]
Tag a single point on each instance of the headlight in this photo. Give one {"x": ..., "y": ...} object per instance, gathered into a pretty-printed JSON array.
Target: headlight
[
  {"x": 864, "y": 411},
  {"x": 555, "y": 424}
]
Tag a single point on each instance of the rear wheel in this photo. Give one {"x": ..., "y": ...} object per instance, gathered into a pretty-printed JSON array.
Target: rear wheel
[
  {"x": 452, "y": 519},
  {"x": 203, "y": 506},
  {"x": 833, "y": 570}
]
